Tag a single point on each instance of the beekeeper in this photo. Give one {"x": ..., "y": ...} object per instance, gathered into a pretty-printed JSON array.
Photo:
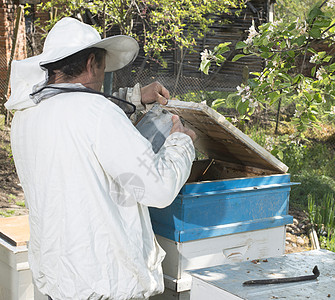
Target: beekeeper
[{"x": 87, "y": 174}]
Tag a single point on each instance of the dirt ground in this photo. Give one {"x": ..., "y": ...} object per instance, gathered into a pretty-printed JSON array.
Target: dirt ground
[
  {"x": 11, "y": 194},
  {"x": 12, "y": 199}
]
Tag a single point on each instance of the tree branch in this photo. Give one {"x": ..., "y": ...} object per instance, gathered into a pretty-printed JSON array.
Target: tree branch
[
  {"x": 323, "y": 3},
  {"x": 327, "y": 29}
]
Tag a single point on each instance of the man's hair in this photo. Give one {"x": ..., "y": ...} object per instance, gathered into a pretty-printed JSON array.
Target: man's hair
[{"x": 75, "y": 64}]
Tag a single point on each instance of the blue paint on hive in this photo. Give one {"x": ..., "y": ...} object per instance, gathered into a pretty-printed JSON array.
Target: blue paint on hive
[{"x": 215, "y": 208}]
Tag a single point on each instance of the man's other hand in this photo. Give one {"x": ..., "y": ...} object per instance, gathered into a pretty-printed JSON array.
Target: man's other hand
[
  {"x": 154, "y": 92},
  {"x": 179, "y": 127}
]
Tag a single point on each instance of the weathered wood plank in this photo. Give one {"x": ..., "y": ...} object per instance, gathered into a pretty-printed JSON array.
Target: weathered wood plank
[
  {"x": 15, "y": 230},
  {"x": 219, "y": 139}
]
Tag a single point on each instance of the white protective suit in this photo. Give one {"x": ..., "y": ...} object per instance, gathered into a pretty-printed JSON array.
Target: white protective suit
[{"x": 88, "y": 178}]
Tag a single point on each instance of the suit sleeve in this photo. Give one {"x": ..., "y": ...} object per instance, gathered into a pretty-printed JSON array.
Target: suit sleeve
[{"x": 135, "y": 173}]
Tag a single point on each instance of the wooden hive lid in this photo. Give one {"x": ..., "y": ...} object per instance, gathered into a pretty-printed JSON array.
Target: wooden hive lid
[
  {"x": 15, "y": 230},
  {"x": 219, "y": 139}
]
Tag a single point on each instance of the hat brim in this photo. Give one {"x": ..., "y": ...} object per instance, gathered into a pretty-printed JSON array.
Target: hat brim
[{"x": 121, "y": 51}]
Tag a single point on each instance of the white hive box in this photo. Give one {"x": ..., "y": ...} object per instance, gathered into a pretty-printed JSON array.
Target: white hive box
[
  {"x": 15, "y": 275},
  {"x": 225, "y": 282},
  {"x": 234, "y": 206},
  {"x": 201, "y": 253}
]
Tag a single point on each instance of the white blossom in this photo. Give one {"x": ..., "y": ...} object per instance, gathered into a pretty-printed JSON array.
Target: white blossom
[
  {"x": 275, "y": 24},
  {"x": 319, "y": 73},
  {"x": 301, "y": 27},
  {"x": 244, "y": 98},
  {"x": 332, "y": 111},
  {"x": 275, "y": 63},
  {"x": 234, "y": 120},
  {"x": 245, "y": 93},
  {"x": 271, "y": 70},
  {"x": 331, "y": 3},
  {"x": 252, "y": 34},
  {"x": 297, "y": 113},
  {"x": 243, "y": 89},
  {"x": 239, "y": 90},
  {"x": 253, "y": 102},
  {"x": 314, "y": 59},
  {"x": 205, "y": 54},
  {"x": 278, "y": 22}
]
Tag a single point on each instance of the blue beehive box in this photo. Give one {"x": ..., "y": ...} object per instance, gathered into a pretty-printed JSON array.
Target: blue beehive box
[{"x": 237, "y": 187}]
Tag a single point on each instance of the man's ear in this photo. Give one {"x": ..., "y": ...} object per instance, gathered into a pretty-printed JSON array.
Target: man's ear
[{"x": 91, "y": 64}]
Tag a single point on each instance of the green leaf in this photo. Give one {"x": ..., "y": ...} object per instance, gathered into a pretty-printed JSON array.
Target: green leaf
[
  {"x": 302, "y": 127},
  {"x": 304, "y": 119},
  {"x": 280, "y": 155},
  {"x": 253, "y": 82},
  {"x": 240, "y": 45},
  {"x": 318, "y": 98},
  {"x": 237, "y": 57},
  {"x": 264, "y": 48},
  {"x": 285, "y": 85},
  {"x": 300, "y": 40},
  {"x": 263, "y": 86},
  {"x": 285, "y": 77},
  {"x": 313, "y": 13},
  {"x": 273, "y": 97},
  {"x": 312, "y": 117},
  {"x": 266, "y": 54},
  {"x": 291, "y": 53},
  {"x": 283, "y": 44},
  {"x": 204, "y": 66},
  {"x": 322, "y": 54},
  {"x": 274, "y": 152},
  {"x": 245, "y": 51},
  {"x": 327, "y": 58},
  {"x": 265, "y": 41},
  {"x": 314, "y": 110},
  {"x": 308, "y": 95},
  {"x": 265, "y": 26},
  {"x": 331, "y": 67},
  {"x": 312, "y": 50},
  {"x": 231, "y": 96},
  {"x": 315, "y": 32},
  {"x": 297, "y": 78},
  {"x": 222, "y": 45},
  {"x": 242, "y": 107},
  {"x": 322, "y": 22},
  {"x": 217, "y": 103},
  {"x": 313, "y": 71},
  {"x": 222, "y": 48},
  {"x": 277, "y": 153},
  {"x": 291, "y": 26}
]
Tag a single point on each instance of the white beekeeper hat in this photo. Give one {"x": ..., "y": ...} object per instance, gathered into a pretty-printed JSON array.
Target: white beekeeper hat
[{"x": 67, "y": 37}]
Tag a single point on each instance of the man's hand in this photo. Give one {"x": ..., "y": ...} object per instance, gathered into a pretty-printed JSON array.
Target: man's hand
[
  {"x": 179, "y": 127},
  {"x": 154, "y": 92}
]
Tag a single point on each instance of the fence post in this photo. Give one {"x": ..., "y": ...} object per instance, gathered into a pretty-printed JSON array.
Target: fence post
[{"x": 179, "y": 71}]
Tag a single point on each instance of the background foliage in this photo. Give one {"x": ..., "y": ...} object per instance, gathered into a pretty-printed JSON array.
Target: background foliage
[
  {"x": 298, "y": 49},
  {"x": 158, "y": 25}
]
